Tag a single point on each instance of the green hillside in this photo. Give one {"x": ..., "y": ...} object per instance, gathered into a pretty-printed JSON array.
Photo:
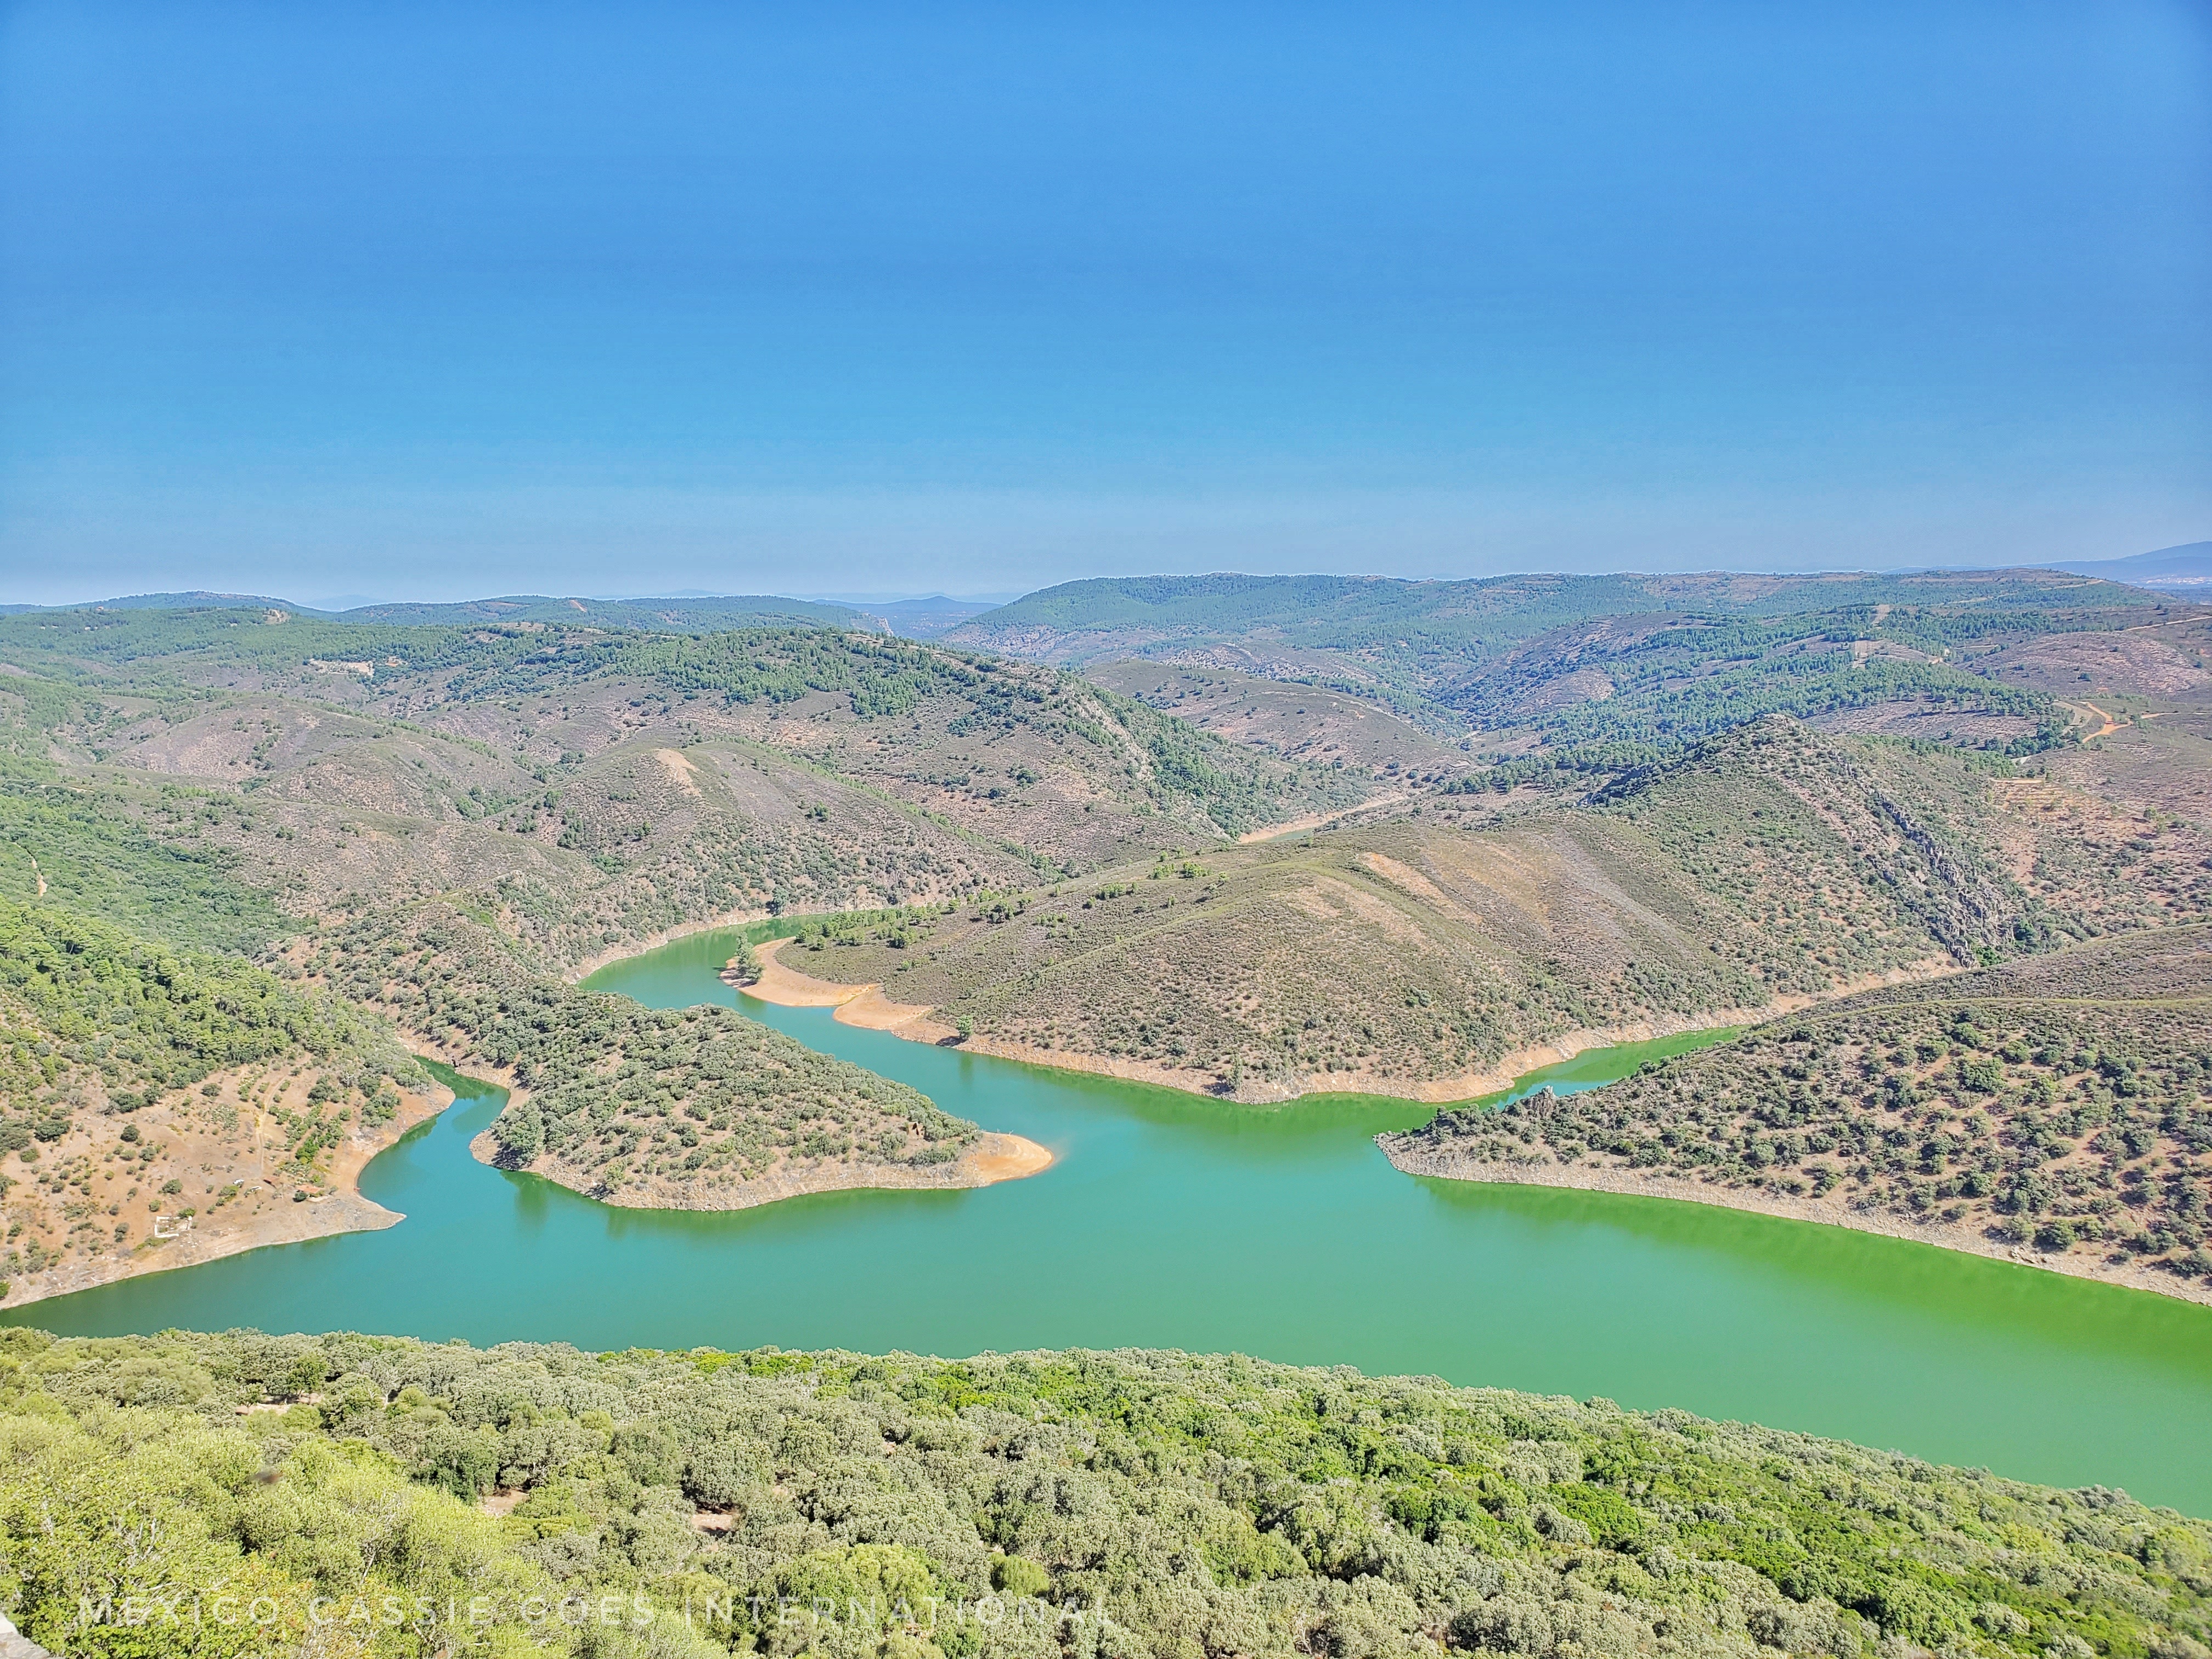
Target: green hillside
[
  {"x": 629, "y": 1103},
  {"x": 103, "y": 1037},
  {"x": 2062, "y": 1103},
  {"x": 1631, "y": 666},
  {"x": 1403, "y": 957},
  {"x": 640, "y": 779},
  {"x": 840, "y": 1506}
]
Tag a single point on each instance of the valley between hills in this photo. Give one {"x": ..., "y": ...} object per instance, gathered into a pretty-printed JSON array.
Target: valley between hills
[
  {"x": 276, "y": 888},
  {"x": 1451, "y": 833}
]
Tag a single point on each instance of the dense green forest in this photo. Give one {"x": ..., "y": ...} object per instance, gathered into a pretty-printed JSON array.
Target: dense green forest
[
  {"x": 85, "y": 1004},
  {"x": 2064, "y": 1102},
  {"x": 1355, "y": 612},
  {"x": 1077, "y": 1503},
  {"x": 96, "y": 850},
  {"x": 1685, "y": 682},
  {"x": 619, "y": 1095}
]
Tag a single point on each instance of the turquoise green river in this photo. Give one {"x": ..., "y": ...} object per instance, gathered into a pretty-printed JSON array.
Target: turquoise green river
[{"x": 1173, "y": 1221}]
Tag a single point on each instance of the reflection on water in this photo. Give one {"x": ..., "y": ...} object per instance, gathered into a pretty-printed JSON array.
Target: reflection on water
[{"x": 1172, "y": 1220}]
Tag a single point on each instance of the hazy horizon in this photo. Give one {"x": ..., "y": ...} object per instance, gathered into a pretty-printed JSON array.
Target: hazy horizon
[
  {"x": 524, "y": 300},
  {"x": 334, "y": 602}
]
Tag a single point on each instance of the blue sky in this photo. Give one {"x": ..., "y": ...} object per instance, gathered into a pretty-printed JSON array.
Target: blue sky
[{"x": 473, "y": 298}]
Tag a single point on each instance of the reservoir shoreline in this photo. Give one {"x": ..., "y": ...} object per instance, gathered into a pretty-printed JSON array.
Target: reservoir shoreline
[
  {"x": 1176, "y": 1221},
  {"x": 1633, "y": 1183},
  {"x": 214, "y": 1234},
  {"x": 868, "y": 1006}
]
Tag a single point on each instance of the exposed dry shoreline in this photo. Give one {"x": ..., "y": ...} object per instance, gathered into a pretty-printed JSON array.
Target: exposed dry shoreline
[
  {"x": 263, "y": 1217},
  {"x": 992, "y": 1159},
  {"x": 866, "y": 1005},
  {"x": 1829, "y": 1211}
]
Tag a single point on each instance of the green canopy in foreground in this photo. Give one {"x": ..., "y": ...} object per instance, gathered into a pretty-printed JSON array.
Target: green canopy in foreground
[{"x": 352, "y": 1495}]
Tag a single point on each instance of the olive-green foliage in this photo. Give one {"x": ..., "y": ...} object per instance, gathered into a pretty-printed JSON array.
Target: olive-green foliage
[
  {"x": 622, "y": 1091},
  {"x": 1691, "y": 677},
  {"x": 81, "y": 999},
  {"x": 1206, "y": 1506},
  {"x": 880, "y": 676},
  {"x": 1823, "y": 843},
  {"x": 883, "y": 676},
  {"x": 134, "y": 1526},
  {"x": 1682, "y": 656},
  {"x": 1771, "y": 861},
  {"x": 2038, "y": 1102},
  {"x": 99, "y": 850}
]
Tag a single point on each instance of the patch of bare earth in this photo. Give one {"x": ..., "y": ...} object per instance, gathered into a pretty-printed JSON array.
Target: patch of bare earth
[{"x": 100, "y": 1208}]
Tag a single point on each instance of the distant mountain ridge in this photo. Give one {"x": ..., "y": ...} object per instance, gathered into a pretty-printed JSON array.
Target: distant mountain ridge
[
  {"x": 2181, "y": 569},
  {"x": 1636, "y": 662},
  {"x": 686, "y": 615}
]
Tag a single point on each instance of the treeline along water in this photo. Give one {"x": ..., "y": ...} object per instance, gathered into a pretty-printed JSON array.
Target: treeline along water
[{"x": 1174, "y": 1221}]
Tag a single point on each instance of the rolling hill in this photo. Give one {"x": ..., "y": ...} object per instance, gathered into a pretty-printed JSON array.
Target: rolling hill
[
  {"x": 1621, "y": 666},
  {"x": 1432, "y": 958},
  {"x": 2054, "y": 1107}
]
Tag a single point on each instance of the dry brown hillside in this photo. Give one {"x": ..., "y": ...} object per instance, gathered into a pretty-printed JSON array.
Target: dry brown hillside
[
  {"x": 1416, "y": 958},
  {"x": 599, "y": 799}
]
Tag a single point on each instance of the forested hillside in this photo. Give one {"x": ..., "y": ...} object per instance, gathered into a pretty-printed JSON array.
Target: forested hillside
[
  {"x": 2062, "y": 1104},
  {"x": 1065, "y": 854},
  {"x": 697, "y": 1107},
  {"x": 1422, "y": 958},
  {"x": 125, "y": 1068},
  {"x": 1131, "y": 1503},
  {"x": 618, "y": 783},
  {"x": 1610, "y": 668}
]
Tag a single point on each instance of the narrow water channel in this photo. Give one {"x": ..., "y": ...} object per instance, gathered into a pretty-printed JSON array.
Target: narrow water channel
[{"x": 1172, "y": 1221}]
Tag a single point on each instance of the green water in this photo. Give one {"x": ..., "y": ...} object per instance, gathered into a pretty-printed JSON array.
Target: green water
[{"x": 1174, "y": 1221}]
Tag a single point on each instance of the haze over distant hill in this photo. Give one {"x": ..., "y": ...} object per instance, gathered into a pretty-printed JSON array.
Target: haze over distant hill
[
  {"x": 690, "y": 614},
  {"x": 1557, "y": 662},
  {"x": 2180, "y": 568}
]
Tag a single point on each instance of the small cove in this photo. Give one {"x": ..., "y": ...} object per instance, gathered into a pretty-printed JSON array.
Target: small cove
[{"x": 1173, "y": 1220}]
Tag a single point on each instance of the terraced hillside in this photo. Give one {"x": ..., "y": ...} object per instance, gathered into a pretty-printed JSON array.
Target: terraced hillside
[
  {"x": 1134, "y": 1504},
  {"x": 1420, "y": 958},
  {"x": 2058, "y": 1107}
]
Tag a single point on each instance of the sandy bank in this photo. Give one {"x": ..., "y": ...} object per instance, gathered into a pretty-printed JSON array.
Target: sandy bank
[
  {"x": 992, "y": 1159},
  {"x": 863, "y": 1006},
  {"x": 1509, "y": 1068},
  {"x": 2082, "y": 1262},
  {"x": 866, "y": 1005},
  {"x": 262, "y": 1212}
]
